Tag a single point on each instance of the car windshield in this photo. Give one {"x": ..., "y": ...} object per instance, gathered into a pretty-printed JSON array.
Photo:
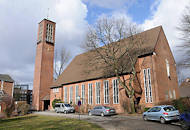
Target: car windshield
[
  {"x": 67, "y": 105},
  {"x": 107, "y": 107},
  {"x": 170, "y": 108}
]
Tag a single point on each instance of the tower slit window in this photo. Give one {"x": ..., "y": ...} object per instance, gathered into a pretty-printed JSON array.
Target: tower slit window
[{"x": 49, "y": 33}]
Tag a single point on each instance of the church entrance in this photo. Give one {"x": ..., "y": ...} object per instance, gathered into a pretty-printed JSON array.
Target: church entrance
[{"x": 46, "y": 104}]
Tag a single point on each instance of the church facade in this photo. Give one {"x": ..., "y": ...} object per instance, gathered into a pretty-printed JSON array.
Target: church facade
[{"x": 156, "y": 79}]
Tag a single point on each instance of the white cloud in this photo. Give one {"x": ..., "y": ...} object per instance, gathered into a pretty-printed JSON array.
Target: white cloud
[
  {"x": 18, "y": 31},
  {"x": 111, "y": 4},
  {"x": 167, "y": 14}
]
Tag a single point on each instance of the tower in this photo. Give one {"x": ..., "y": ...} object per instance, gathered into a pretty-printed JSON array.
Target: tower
[{"x": 43, "y": 73}]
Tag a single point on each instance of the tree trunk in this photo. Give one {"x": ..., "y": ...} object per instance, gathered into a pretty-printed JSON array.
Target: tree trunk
[{"x": 132, "y": 105}]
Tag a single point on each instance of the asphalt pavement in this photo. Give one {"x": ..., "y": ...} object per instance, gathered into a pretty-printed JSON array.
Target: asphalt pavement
[{"x": 118, "y": 122}]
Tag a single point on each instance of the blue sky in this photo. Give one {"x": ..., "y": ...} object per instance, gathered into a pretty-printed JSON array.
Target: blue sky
[
  {"x": 19, "y": 23},
  {"x": 138, "y": 10}
]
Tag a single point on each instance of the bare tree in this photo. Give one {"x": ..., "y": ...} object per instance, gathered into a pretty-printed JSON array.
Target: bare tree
[
  {"x": 184, "y": 29},
  {"x": 9, "y": 105},
  {"x": 60, "y": 60},
  {"x": 117, "y": 56}
]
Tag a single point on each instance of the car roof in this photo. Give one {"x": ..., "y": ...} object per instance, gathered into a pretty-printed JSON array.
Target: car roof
[{"x": 164, "y": 106}]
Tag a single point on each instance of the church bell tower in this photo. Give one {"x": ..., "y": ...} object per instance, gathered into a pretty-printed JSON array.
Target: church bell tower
[{"x": 43, "y": 73}]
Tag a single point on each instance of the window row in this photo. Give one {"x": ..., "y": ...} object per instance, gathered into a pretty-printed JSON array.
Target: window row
[
  {"x": 90, "y": 93},
  {"x": 56, "y": 90}
]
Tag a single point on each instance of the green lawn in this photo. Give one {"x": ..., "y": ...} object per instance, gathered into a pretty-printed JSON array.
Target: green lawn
[{"x": 37, "y": 122}]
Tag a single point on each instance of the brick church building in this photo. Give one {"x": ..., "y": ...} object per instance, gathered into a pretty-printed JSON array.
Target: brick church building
[{"x": 156, "y": 75}]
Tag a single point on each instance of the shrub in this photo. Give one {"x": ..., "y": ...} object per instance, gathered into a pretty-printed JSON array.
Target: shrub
[
  {"x": 22, "y": 108},
  {"x": 182, "y": 104},
  {"x": 56, "y": 101},
  {"x": 9, "y": 105}
]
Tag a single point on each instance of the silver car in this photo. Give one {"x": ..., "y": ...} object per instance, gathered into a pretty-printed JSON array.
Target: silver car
[
  {"x": 162, "y": 113},
  {"x": 101, "y": 110},
  {"x": 66, "y": 108}
]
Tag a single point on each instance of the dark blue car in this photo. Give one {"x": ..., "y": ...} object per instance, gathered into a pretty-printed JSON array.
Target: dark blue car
[{"x": 185, "y": 120}]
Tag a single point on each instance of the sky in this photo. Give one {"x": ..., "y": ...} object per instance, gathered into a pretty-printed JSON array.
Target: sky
[{"x": 19, "y": 23}]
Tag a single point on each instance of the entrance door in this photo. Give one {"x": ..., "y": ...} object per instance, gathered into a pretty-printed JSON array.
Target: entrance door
[{"x": 46, "y": 104}]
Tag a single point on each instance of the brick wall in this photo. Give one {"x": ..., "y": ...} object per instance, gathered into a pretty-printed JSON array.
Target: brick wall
[
  {"x": 164, "y": 84},
  {"x": 7, "y": 87}
]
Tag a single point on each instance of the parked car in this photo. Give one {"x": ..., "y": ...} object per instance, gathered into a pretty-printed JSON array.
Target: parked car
[
  {"x": 162, "y": 113},
  {"x": 62, "y": 107},
  {"x": 185, "y": 120},
  {"x": 102, "y": 110}
]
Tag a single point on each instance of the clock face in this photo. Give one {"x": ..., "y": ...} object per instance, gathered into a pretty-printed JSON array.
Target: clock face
[{"x": 49, "y": 33}]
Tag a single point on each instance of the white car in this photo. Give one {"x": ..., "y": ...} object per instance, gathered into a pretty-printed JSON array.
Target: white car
[{"x": 62, "y": 107}]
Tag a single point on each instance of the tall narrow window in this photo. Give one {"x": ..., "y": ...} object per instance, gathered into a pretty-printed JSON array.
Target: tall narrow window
[
  {"x": 90, "y": 93},
  {"x": 115, "y": 91},
  {"x": 76, "y": 93},
  {"x": 168, "y": 68},
  {"x": 170, "y": 94},
  {"x": 65, "y": 94},
  {"x": 83, "y": 94},
  {"x": 97, "y": 92},
  {"x": 147, "y": 85},
  {"x": 174, "y": 95},
  {"x": 106, "y": 92},
  {"x": 71, "y": 95}
]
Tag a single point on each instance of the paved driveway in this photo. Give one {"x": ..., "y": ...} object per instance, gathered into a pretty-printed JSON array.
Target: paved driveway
[{"x": 118, "y": 122}]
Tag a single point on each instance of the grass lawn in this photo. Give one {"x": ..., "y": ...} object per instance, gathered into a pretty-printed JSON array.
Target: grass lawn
[{"x": 37, "y": 122}]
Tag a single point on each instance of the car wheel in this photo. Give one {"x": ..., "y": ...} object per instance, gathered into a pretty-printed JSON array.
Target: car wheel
[
  {"x": 65, "y": 112},
  {"x": 102, "y": 114},
  {"x": 89, "y": 113},
  {"x": 145, "y": 118},
  {"x": 162, "y": 120},
  {"x": 184, "y": 125}
]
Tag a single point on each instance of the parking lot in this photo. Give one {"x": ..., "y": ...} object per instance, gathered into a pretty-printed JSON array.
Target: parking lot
[{"x": 118, "y": 122}]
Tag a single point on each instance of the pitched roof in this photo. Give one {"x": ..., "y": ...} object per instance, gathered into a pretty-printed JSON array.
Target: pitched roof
[
  {"x": 184, "y": 89},
  {"x": 77, "y": 70},
  {"x": 6, "y": 77}
]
